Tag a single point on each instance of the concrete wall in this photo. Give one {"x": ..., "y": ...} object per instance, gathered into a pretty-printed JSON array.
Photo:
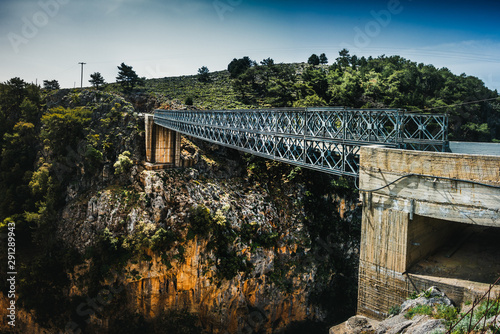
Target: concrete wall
[
  {"x": 162, "y": 145},
  {"x": 408, "y": 220},
  {"x": 382, "y": 260},
  {"x": 435, "y": 198}
]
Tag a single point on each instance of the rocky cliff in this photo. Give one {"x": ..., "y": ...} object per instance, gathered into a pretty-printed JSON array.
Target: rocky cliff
[
  {"x": 190, "y": 278},
  {"x": 233, "y": 244}
]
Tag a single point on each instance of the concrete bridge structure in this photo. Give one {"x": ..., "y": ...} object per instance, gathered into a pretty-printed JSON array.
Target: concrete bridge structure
[{"x": 430, "y": 217}]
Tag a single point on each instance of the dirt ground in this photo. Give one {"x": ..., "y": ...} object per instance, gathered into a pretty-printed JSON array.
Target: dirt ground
[{"x": 470, "y": 258}]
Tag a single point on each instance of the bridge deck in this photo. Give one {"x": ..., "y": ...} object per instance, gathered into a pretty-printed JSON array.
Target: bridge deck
[{"x": 325, "y": 139}]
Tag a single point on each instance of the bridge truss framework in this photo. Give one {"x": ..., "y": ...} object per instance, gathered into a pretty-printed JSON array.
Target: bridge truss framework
[{"x": 324, "y": 139}]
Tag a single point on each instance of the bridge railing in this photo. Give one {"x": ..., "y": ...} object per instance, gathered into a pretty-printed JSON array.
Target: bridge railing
[{"x": 326, "y": 139}]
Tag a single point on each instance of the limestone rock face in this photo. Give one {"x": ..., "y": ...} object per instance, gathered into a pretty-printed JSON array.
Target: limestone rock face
[
  {"x": 232, "y": 306},
  {"x": 163, "y": 199},
  {"x": 355, "y": 325}
]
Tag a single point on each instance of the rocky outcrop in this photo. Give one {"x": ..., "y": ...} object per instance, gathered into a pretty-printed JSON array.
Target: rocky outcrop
[
  {"x": 164, "y": 199},
  {"x": 432, "y": 297},
  {"x": 402, "y": 322},
  {"x": 242, "y": 303}
]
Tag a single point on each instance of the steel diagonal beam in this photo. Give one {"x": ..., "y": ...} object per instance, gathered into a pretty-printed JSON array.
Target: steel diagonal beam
[
  {"x": 313, "y": 124},
  {"x": 314, "y": 154},
  {"x": 269, "y": 145},
  {"x": 351, "y": 159},
  {"x": 281, "y": 123},
  {"x": 314, "y": 157},
  {"x": 334, "y": 157},
  {"x": 317, "y": 123},
  {"x": 334, "y": 126},
  {"x": 349, "y": 127},
  {"x": 285, "y": 121},
  {"x": 389, "y": 127},
  {"x": 287, "y": 146},
  {"x": 325, "y": 139},
  {"x": 281, "y": 148}
]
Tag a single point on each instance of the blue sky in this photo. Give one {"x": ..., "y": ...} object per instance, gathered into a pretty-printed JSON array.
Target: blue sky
[{"x": 46, "y": 39}]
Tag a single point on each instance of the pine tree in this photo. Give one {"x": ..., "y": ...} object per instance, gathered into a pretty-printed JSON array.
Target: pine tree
[
  {"x": 51, "y": 84},
  {"x": 323, "y": 59},
  {"x": 313, "y": 60},
  {"x": 127, "y": 77},
  {"x": 203, "y": 74},
  {"x": 97, "y": 80}
]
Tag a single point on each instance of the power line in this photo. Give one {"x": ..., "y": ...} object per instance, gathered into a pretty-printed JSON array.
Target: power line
[
  {"x": 458, "y": 104},
  {"x": 428, "y": 177},
  {"x": 82, "y": 72}
]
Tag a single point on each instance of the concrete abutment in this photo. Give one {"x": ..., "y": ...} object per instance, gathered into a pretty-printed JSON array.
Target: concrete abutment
[
  {"x": 425, "y": 220},
  {"x": 163, "y": 146}
]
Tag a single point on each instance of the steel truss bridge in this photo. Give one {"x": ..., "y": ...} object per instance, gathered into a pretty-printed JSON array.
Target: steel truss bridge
[{"x": 324, "y": 139}]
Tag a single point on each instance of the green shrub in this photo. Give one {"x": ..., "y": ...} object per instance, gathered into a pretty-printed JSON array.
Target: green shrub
[
  {"x": 203, "y": 223},
  {"x": 200, "y": 221},
  {"x": 486, "y": 309},
  {"x": 124, "y": 163},
  {"x": 448, "y": 313},
  {"x": 163, "y": 240},
  {"x": 256, "y": 236},
  {"x": 413, "y": 295},
  {"x": 230, "y": 263},
  {"x": 40, "y": 180},
  {"x": 419, "y": 309},
  {"x": 394, "y": 310},
  {"x": 64, "y": 127},
  {"x": 93, "y": 156},
  {"x": 280, "y": 276}
]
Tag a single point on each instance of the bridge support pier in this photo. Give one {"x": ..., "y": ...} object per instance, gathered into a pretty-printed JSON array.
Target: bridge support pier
[{"x": 163, "y": 146}]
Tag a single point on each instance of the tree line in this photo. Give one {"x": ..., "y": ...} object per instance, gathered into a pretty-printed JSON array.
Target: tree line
[
  {"x": 127, "y": 78},
  {"x": 358, "y": 82},
  {"x": 382, "y": 82}
]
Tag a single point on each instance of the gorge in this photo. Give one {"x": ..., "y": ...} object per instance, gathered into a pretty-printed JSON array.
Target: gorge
[{"x": 232, "y": 244}]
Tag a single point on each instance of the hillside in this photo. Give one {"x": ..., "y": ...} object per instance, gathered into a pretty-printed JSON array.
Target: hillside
[
  {"x": 383, "y": 82},
  {"x": 217, "y": 93}
]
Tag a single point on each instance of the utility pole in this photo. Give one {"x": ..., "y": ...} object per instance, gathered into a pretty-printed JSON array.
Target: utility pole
[{"x": 82, "y": 73}]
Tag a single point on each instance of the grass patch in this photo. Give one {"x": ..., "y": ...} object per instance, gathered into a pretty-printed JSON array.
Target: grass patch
[
  {"x": 419, "y": 309},
  {"x": 448, "y": 313}
]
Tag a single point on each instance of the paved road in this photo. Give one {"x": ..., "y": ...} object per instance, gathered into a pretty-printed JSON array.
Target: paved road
[{"x": 475, "y": 148}]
